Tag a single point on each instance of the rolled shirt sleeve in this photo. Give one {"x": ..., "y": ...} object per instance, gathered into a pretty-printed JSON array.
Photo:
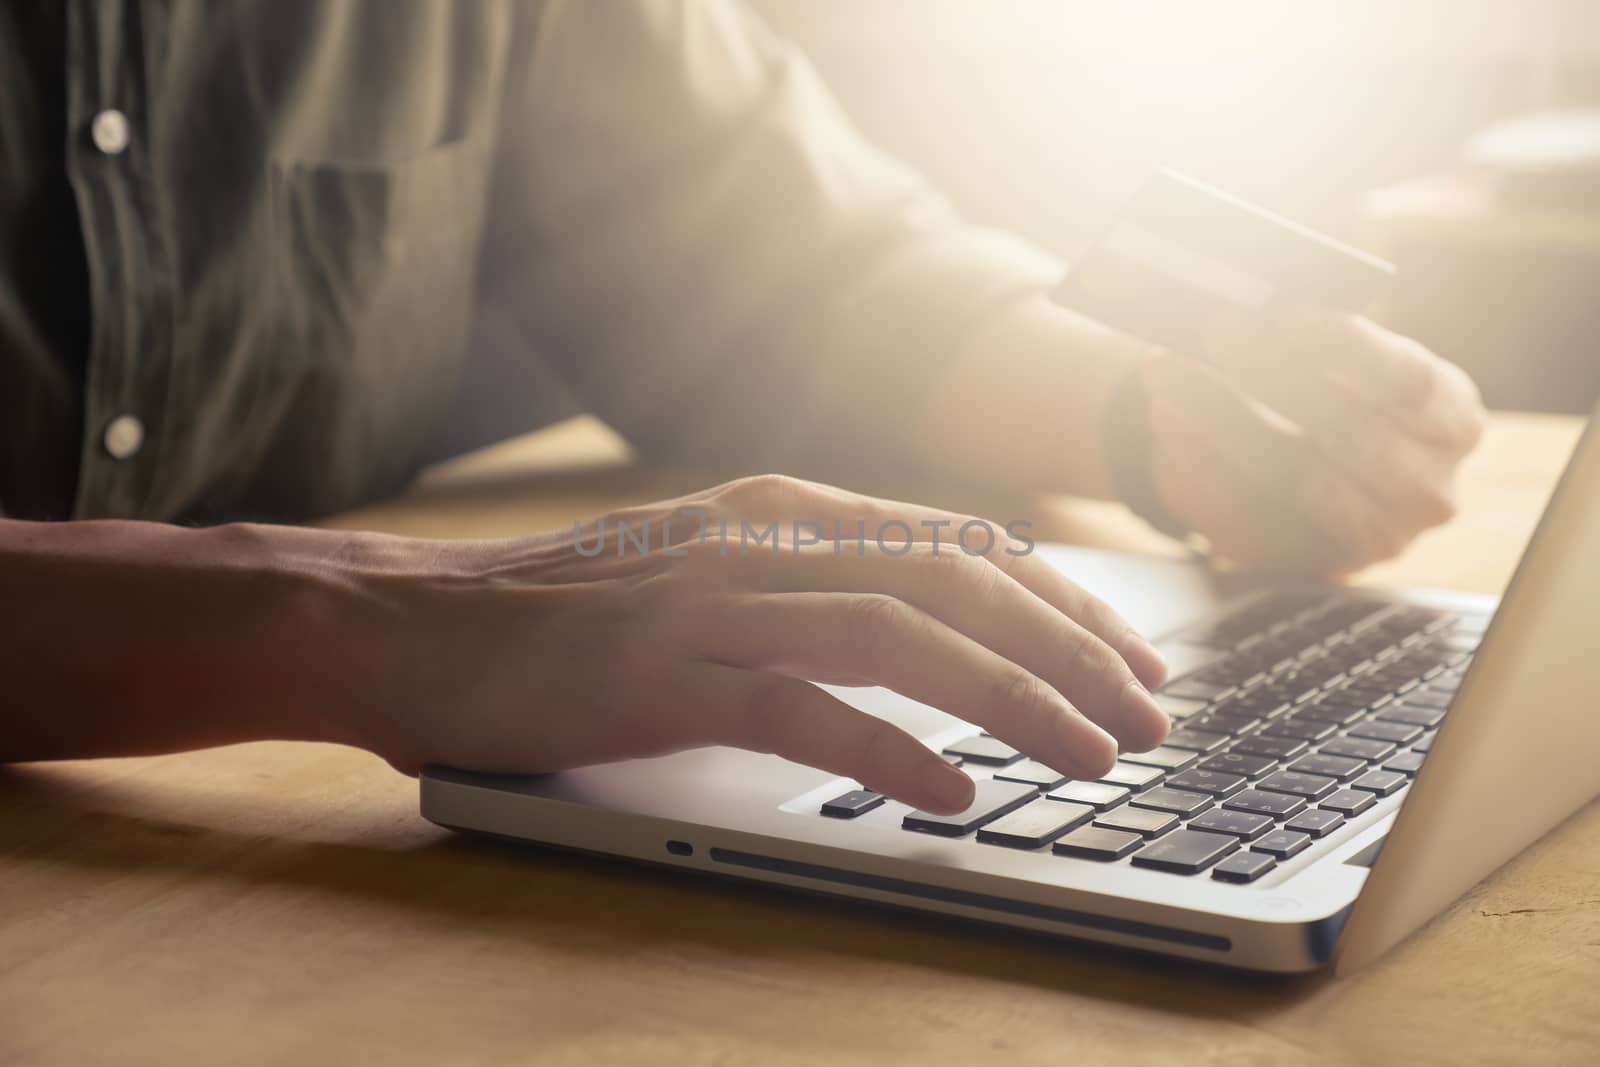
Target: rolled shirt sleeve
[{"x": 685, "y": 224}]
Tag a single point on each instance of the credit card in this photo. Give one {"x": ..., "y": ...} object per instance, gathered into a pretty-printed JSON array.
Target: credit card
[{"x": 1183, "y": 259}]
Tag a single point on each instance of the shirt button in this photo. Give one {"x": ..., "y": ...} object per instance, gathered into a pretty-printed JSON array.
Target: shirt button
[
  {"x": 124, "y": 437},
  {"x": 110, "y": 132}
]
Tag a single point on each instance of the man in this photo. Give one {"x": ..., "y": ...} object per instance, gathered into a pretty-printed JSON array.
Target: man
[{"x": 264, "y": 259}]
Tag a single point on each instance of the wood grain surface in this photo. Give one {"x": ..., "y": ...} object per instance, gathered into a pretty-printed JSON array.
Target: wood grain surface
[{"x": 284, "y": 904}]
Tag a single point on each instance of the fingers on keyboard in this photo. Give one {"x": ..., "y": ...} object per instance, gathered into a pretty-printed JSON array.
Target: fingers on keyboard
[{"x": 1305, "y": 722}]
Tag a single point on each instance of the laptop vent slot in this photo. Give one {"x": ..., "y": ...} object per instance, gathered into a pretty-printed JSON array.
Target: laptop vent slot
[{"x": 969, "y": 899}]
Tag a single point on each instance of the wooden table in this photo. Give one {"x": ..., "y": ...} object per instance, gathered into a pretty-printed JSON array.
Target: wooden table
[{"x": 282, "y": 903}]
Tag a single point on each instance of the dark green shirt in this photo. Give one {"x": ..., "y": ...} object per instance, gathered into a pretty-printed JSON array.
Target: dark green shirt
[{"x": 267, "y": 258}]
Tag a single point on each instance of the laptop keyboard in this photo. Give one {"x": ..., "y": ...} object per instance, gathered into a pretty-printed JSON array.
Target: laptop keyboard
[{"x": 1319, "y": 706}]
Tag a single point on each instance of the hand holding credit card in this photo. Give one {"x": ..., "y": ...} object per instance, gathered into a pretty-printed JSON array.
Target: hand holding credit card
[
  {"x": 1269, "y": 416},
  {"x": 1183, "y": 257}
]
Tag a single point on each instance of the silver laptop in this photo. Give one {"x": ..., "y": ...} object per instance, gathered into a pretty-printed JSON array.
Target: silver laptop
[{"x": 1344, "y": 764}]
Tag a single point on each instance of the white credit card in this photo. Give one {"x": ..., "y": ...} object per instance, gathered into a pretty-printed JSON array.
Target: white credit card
[{"x": 1182, "y": 255}]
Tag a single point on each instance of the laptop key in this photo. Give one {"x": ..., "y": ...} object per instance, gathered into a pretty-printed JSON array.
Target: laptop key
[
  {"x": 1256, "y": 704},
  {"x": 1195, "y": 740},
  {"x": 1274, "y": 705},
  {"x": 1424, "y": 744},
  {"x": 1095, "y": 843},
  {"x": 1404, "y": 763},
  {"x": 1241, "y": 824},
  {"x": 1239, "y": 763},
  {"x": 1304, "y": 729},
  {"x": 849, "y": 805},
  {"x": 1279, "y": 748},
  {"x": 1133, "y": 776},
  {"x": 991, "y": 800},
  {"x": 1357, "y": 748},
  {"x": 1323, "y": 763},
  {"x": 1139, "y": 821},
  {"x": 1035, "y": 825},
  {"x": 1097, "y": 795},
  {"x": 1348, "y": 697},
  {"x": 1282, "y": 844},
  {"x": 1333, "y": 713},
  {"x": 1173, "y": 800},
  {"x": 1381, "y": 782},
  {"x": 1310, "y": 786},
  {"x": 1178, "y": 707},
  {"x": 1171, "y": 759},
  {"x": 1216, "y": 723},
  {"x": 1278, "y": 805},
  {"x": 1429, "y": 698},
  {"x": 1196, "y": 688},
  {"x": 1315, "y": 821},
  {"x": 1216, "y": 783},
  {"x": 1394, "y": 732},
  {"x": 1185, "y": 851},
  {"x": 1300, "y": 687},
  {"x": 1411, "y": 714},
  {"x": 1031, "y": 772},
  {"x": 1243, "y": 867},
  {"x": 1350, "y": 802},
  {"x": 980, "y": 748}
]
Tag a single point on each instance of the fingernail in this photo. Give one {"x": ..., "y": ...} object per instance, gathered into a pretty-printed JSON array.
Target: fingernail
[
  {"x": 1154, "y": 665},
  {"x": 1143, "y": 718},
  {"x": 954, "y": 790},
  {"x": 1090, "y": 750}
]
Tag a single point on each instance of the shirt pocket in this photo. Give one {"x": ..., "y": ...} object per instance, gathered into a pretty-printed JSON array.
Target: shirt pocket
[
  {"x": 376, "y": 254},
  {"x": 372, "y": 281}
]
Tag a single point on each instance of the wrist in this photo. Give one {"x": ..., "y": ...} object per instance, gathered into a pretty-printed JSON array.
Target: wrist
[
  {"x": 333, "y": 623},
  {"x": 369, "y": 631},
  {"x": 1128, "y": 444},
  {"x": 279, "y": 600}
]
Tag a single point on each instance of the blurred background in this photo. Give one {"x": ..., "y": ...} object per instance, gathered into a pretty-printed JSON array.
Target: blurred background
[{"x": 1461, "y": 138}]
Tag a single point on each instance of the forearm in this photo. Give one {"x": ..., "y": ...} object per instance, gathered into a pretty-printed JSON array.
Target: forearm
[
  {"x": 126, "y": 638},
  {"x": 1021, "y": 402}
]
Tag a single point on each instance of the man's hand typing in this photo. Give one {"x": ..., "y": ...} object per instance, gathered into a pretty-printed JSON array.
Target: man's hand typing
[{"x": 575, "y": 647}]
